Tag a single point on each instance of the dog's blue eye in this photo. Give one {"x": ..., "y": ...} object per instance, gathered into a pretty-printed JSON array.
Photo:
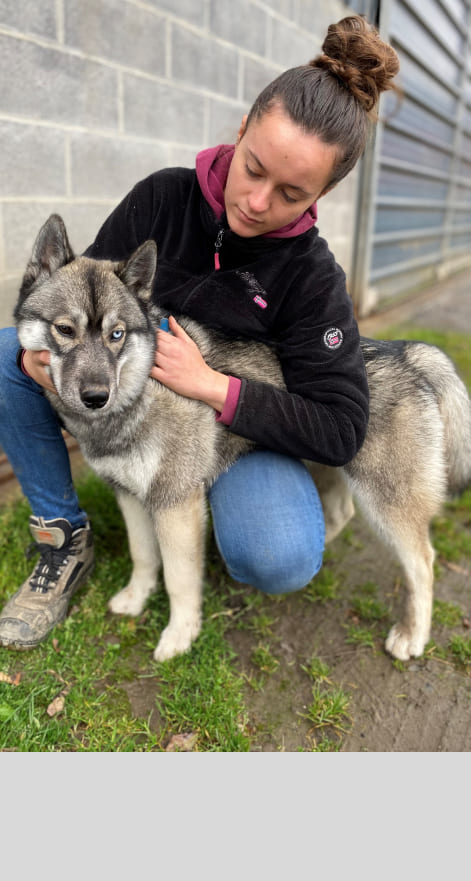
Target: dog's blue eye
[
  {"x": 65, "y": 329},
  {"x": 117, "y": 335}
]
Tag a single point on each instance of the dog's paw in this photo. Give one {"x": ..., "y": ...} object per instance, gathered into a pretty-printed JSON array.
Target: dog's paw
[
  {"x": 176, "y": 640},
  {"x": 404, "y": 644},
  {"x": 128, "y": 601}
]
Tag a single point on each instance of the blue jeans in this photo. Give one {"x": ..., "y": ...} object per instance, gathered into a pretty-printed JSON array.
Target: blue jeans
[
  {"x": 268, "y": 522},
  {"x": 31, "y": 437},
  {"x": 267, "y": 515}
]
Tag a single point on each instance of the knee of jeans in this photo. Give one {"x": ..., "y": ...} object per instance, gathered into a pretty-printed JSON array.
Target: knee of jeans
[{"x": 277, "y": 577}]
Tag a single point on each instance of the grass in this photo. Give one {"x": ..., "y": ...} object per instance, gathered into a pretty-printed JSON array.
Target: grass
[
  {"x": 92, "y": 655},
  {"x": 263, "y": 658},
  {"x": 446, "y": 614},
  {"x": 368, "y": 609},
  {"x": 93, "y": 685},
  {"x": 317, "y": 670},
  {"x": 451, "y": 542},
  {"x": 324, "y": 587},
  {"x": 329, "y": 708},
  {"x": 328, "y": 711},
  {"x": 460, "y": 649},
  {"x": 329, "y": 714},
  {"x": 360, "y": 636}
]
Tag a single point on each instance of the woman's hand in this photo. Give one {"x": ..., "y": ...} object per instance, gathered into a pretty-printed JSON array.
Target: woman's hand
[
  {"x": 35, "y": 364},
  {"x": 180, "y": 366}
]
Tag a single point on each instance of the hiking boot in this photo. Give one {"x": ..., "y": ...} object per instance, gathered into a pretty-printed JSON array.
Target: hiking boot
[{"x": 66, "y": 560}]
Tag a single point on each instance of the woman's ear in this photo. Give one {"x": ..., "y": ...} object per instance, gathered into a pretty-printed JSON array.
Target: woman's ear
[{"x": 242, "y": 128}]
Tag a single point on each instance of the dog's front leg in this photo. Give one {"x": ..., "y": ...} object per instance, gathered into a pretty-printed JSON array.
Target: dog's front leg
[
  {"x": 145, "y": 557},
  {"x": 181, "y": 536}
]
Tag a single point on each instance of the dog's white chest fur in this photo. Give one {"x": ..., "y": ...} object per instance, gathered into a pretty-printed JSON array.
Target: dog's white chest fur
[{"x": 134, "y": 473}]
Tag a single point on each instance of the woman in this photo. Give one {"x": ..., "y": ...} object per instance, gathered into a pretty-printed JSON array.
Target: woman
[{"x": 237, "y": 250}]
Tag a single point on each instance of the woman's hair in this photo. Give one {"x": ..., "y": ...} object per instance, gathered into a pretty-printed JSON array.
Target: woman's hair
[{"x": 336, "y": 95}]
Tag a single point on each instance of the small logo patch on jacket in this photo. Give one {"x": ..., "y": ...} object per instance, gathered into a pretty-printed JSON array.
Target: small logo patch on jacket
[
  {"x": 333, "y": 338},
  {"x": 254, "y": 288}
]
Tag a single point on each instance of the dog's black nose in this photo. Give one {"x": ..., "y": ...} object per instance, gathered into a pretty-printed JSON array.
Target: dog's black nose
[{"x": 94, "y": 399}]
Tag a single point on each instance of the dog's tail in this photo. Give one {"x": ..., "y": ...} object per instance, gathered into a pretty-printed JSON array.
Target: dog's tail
[{"x": 455, "y": 407}]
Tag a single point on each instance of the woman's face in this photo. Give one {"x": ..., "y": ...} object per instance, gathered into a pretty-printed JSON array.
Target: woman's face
[{"x": 278, "y": 171}]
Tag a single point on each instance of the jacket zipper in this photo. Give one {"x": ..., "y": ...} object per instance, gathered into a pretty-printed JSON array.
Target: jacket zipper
[{"x": 217, "y": 246}]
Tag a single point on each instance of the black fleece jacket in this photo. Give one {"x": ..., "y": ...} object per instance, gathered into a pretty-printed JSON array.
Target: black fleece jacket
[{"x": 286, "y": 292}]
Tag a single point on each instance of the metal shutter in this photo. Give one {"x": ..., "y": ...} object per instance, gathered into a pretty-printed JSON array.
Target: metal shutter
[{"x": 414, "y": 208}]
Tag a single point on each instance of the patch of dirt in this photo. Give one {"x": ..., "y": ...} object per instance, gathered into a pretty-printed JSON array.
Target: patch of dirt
[
  {"x": 141, "y": 696},
  {"x": 420, "y": 706}
]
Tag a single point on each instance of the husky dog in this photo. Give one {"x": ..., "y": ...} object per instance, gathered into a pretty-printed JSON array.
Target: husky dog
[{"x": 161, "y": 451}]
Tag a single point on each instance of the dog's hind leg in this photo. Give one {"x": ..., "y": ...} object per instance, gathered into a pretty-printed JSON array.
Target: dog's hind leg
[
  {"x": 408, "y": 638},
  {"x": 406, "y": 530},
  {"x": 181, "y": 535},
  {"x": 145, "y": 558},
  {"x": 399, "y": 481}
]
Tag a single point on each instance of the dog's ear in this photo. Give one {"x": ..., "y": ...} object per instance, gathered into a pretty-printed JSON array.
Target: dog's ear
[
  {"x": 138, "y": 272},
  {"x": 51, "y": 251}
]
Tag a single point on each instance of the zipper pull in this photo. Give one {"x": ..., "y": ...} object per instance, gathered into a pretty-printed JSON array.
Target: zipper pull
[{"x": 217, "y": 245}]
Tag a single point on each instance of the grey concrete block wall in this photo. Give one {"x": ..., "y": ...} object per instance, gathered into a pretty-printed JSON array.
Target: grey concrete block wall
[{"x": 96, "y": 94}]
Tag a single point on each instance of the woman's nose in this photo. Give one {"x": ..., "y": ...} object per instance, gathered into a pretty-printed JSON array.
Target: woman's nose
[{"x": 259, "y": 198}]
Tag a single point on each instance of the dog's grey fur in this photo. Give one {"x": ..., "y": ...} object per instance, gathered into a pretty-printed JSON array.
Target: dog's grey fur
[{"x": 161, "y": 451}]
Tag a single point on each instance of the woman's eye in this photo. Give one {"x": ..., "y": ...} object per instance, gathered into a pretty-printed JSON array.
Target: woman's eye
[
  {"x": 289, "y": 198},
  {"x": 65, "y": 330},
  {"x": 117, "y": 335},
  {"x": 250, "y": 172}
]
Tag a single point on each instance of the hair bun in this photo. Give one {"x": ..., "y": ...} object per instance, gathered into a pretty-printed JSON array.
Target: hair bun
[{"x": 354, "y": 52}]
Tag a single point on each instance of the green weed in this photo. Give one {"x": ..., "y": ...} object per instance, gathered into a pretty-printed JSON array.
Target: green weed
[
  {"x": 317, "y": 670},
  {"x": 262, "y": 624},
  {"x": 323, "y": 587},
  {"x": 325, "y": 745},
  {"x": 461, "y": 649},
  {"x": 368, "y": 589},
  {"x": 360, "y": 636},
  {"x": 369, "y": 609},
  {"x": 329, "y": 707},
  {"x": 446, "y": 614},
  {"x": 451, "y": 541},
  {"x": 263, "y": 658}
]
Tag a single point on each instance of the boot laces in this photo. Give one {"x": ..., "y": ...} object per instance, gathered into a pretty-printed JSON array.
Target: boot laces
[{"x": 49, "y": 566}]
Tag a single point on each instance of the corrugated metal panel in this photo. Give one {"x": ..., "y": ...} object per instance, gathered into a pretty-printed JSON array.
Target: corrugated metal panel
[{"x": 414, "y": 217}]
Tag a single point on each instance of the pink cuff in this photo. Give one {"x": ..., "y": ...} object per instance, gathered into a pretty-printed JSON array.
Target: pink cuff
[
  {"x": 228, "y": 411},
  {"x": 23, "y": 368}
]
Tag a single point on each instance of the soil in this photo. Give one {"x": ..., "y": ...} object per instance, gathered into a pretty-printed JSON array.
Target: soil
[{"x": 420, "y": 706}]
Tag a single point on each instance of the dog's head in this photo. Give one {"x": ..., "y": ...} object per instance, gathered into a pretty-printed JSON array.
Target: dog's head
[{"x": 93, "y": 317}]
